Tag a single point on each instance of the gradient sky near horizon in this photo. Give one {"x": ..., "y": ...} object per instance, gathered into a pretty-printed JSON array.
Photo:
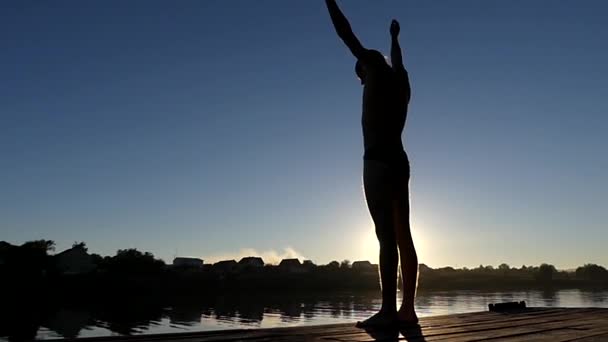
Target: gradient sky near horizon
[{"x": 224, "y": 128}]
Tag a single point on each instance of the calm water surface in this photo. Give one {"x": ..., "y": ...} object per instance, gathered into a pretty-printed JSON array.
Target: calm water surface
[{"x": 261, "y": 311}]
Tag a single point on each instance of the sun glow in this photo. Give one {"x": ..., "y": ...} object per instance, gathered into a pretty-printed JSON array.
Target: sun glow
[
  {"x": 370, "y": 248},
  {"x": 369, "y": 245}
]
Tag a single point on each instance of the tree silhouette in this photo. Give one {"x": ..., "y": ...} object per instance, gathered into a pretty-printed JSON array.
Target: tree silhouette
[
  {"x": 132, "y": 261},
  {"x": 81, "y": 244},
  {"x": 333, "y": 264},
  {"x": 41, "y": 245},
  {"x": 592, "y": 272},
  {"x": 545, "y": 273}
]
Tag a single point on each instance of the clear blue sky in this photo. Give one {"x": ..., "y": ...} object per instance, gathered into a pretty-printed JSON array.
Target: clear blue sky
[{"x": 210, "y": 128}]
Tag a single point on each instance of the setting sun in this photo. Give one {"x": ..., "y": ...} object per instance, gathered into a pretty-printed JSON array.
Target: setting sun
[{"x": 370, "y": 249}]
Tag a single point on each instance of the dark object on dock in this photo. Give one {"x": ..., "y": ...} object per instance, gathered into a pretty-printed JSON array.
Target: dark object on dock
[
  {"x": 508, "y": 306},
  {"x": 531, "y": 324}
]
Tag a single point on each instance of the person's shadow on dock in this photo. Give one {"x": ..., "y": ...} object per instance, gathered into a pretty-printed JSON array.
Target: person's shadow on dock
[{"x": 411, "y": 334}]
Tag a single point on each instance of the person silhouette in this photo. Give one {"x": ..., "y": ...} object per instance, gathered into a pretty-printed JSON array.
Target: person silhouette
[{"x": 386, "y": 168}]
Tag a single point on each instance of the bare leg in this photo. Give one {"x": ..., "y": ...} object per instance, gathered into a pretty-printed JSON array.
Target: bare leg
[
  {"x": 378, "y": 190},
  {"x": 407, "y": 253}
]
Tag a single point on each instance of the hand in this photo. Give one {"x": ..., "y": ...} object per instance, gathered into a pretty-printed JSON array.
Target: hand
[{"x": 395, "y": 28}]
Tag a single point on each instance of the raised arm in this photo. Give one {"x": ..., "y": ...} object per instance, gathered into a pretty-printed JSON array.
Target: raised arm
[
  {"x": 344, "y": 30},
  {"x": 396, "y": 57}
]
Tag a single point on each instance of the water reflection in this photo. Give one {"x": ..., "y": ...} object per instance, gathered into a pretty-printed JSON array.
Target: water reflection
[
  {"x": 69, "y": 322},
  {"x": 36, "y": 319}
]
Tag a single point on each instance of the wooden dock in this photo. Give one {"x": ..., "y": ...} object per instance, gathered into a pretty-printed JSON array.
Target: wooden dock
[{"x": 532, "y": 324}]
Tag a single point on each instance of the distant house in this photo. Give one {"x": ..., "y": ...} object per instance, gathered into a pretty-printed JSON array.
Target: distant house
[
  {"x": 188, "y": 262},
  {"x": 225, "y": 266},
  {"x": 308, "y": 265},
  {"x": 5, "y": 249},
  {"x": 75, "y": 260},
  {"x": 251, "y": 263},
  {"x": 364, "y": 266},
  {"x": 333, "y": 265},
  {"x": 5, "y": 246},
  {"x": 291, "y": 265}
]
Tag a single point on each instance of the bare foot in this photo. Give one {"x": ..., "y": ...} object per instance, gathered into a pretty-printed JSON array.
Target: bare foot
[
  {"x": 407, "y": 317},
  {"x": 382, "y": 319}
]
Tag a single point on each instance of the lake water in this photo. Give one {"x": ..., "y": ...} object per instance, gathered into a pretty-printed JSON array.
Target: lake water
[{"x": 258, "y": 311}]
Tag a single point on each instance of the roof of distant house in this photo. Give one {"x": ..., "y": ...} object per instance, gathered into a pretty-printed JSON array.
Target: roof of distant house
[
  {"x": 187, "y": 258},
  {"x": 225, "y": 262},
  {"x": 4, "y": 244},
  {"x": 73, "y": 249},
  {"x": 362, "y": 263},
  {"x": 290, "y": 262},
  {"x": 251, "y": 259},
  {"x": 5, "y": 247}
]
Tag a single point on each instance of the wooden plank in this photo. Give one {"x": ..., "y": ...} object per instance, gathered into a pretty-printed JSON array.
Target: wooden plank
[
  {"x": 532, "y": 317},
  {"x": 535, "y": 324},
  {"x": 547, "y": 331},
  {"x": 511, "y": 331},
  {"x": 597, "y": 338},
  {"x": 594, "y": 334},
  {"x": 494, "y": 329},
  {"x": 563, "y": 336},
  {"x": 508, "y": 322}
]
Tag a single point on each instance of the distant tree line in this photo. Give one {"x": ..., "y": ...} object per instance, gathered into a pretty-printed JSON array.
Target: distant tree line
[
  {"x": 130, "y": 272},
  {"x": 505, "y": 277}
]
